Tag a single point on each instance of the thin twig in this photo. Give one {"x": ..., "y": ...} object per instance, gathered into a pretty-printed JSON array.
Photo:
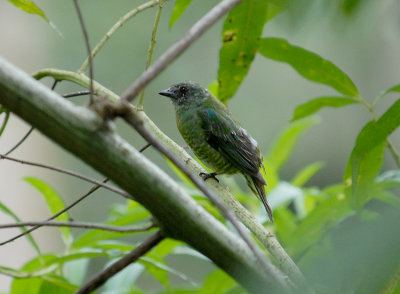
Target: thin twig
[
  {"x": 120, "y": 264},
  {"x": 81, "y": 225},
  {"x": 128, "y": 113},
  {"x": 86, "y": 37},
  {"x": 114, "y": 28},
  {"x": 93, "y": 189},
  {"x": 71, "y": 173},
  {"x": 151, "y": 47},
  {"x": 179, "y": 47},
  {"x": 75, "y": 94},
  {"x": 20, "y": 141}
]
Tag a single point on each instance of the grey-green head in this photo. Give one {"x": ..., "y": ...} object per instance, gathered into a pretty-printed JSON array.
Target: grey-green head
[{"x": 186, "y": 93}]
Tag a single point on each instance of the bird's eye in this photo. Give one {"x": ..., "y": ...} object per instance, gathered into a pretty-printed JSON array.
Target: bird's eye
[{"x": 183, "y": 89}]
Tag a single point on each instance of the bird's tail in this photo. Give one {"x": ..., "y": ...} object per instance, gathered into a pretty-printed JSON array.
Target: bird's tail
[{"x": 257, "y": 184}]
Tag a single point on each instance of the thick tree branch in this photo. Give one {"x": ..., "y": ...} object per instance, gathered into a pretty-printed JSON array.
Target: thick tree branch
[
  {"x": 268, "y": 239},
  {"x": 83, "y": 133}
]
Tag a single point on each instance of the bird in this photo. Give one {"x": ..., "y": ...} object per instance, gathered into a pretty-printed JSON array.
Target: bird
[{"x": 215, "y": 137}]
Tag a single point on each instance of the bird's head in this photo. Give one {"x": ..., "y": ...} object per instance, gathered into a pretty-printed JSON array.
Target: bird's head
[{"x": 186, "y": 93}]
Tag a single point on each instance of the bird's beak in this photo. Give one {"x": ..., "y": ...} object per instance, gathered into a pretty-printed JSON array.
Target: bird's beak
[{"x": 167, "y": 93}]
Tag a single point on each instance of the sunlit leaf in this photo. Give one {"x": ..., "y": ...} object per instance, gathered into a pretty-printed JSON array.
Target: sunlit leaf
[
  {"x": 310, "y": 65},
  {"x": 367, "y": 156},
  {"x": 306, "y": 173},
  {"x": 8, "y": 211},
  {"x": 30, "y": 7},
  {"x": 241, "y": 37},
  {"x": 55, "y": 204},
  {"x": 179, "y": 9},
  {"x": 316, "y": 104},
  {"x": 284, "y": 145}
]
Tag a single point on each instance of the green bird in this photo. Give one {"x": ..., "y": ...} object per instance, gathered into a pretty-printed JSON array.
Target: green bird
[{"x": 216, "y": 137}]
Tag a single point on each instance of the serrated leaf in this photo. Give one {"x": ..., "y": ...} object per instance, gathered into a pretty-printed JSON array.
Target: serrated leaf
[
  {"x": 367, "y": 156},
  {"x": 179, "y": 9},
  {"x": 306, "y": 173},
  {"x": 316, "y": 104},
  {"x": 55, "y": 204},
  {"x": 310, "y": 65},
  {"x": 284, "y": 145},
  {"x": 241, "y": 37},
  {"x": 30, "y": 7},
  {"x": 8, "y": 211}
]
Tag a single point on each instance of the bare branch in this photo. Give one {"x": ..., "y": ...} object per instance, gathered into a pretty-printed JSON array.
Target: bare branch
[
  {"x": 86, "y": 37},
  {"x": 71, "y": 173},
  {"x": 114, "y": 28},
  {"x": 75, "y": 94},
  {"x": 81, "y": 225},
  {"x": 122, "y": 263},
  {"x": 179, "y": 47}
]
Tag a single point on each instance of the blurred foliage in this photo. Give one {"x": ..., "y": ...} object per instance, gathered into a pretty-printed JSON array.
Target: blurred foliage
[{"x": 344, "y": 237}]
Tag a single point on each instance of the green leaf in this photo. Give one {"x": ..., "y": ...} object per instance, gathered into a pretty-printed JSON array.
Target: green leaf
[
  {"x": 159, "y": 270},
  {"x": 309, "y": 65},
  {"x": 316, "y": 104},
  {"x": 306, "y": 173},
  {"x": 284, "y": 145},
  {"x": 55, "y": 204},
  {"x": 217, "y": 282},
  {"x": 241, "y": 37},
  {"x": 8, "y": 211},
  {"x": 367, "y": 156},
  {"x": 5, "y": 121},
  {"x": 317, "y": 222},
  {"x": 285, "y": 223},
  {"x": 91, "y": 238},
  {"x": 179, "y": 8},
  {"x": 30, "y": 7}
]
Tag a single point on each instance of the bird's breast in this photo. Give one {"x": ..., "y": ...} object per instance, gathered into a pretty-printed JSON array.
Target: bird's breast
[{"x": 190, "y": 126}]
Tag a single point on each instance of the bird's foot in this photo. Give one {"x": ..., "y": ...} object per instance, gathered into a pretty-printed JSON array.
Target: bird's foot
[{"x": 206, "y": 176}]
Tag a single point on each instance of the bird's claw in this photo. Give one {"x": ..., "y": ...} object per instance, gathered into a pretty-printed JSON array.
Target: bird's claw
[{"x": 206, "y": 176}]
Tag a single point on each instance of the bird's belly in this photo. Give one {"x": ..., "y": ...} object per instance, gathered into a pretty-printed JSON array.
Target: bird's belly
[{"x": 195, "y": 137}]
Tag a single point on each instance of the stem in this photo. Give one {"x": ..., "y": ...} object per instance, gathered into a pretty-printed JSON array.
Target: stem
[
  {"x": 151, "y": 47},
  {"x": 81, "y": 225},
  {"x": 114, "y": 28},
  {"x": 71, "y": 173},
  {"x": 122, "y": 263},
  {"x": 86, "y": 38}
]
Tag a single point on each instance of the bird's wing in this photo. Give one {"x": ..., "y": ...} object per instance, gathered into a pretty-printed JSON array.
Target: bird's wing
[{"x": 231, "y": 140}]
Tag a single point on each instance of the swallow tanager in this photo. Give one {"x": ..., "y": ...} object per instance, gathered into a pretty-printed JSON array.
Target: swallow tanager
[{"x": 216, "y": 137}]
